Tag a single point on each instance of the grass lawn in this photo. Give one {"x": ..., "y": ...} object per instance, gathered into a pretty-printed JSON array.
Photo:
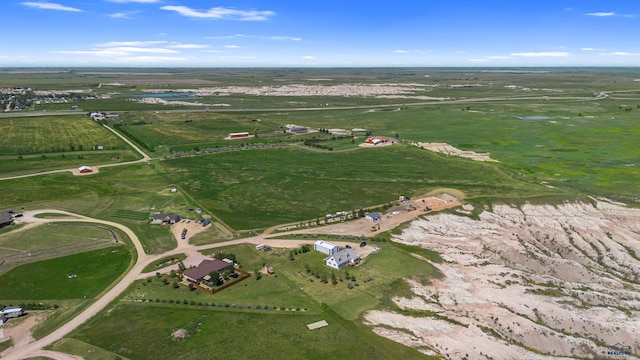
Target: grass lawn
[
  {"x": 48, "y": 279},
  {"x": 133, "y": 330}
]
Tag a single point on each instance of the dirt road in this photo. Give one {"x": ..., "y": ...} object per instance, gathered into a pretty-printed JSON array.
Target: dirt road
[{"x": 358, "y": 227}]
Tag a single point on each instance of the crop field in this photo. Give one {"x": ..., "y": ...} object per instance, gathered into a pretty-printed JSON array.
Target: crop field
[
  {"x": 53, "y": 134},
  {"x": 49, "y": 279}
]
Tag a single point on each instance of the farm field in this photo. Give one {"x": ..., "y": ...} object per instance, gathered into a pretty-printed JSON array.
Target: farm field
[{"x": 558, "y": 136}]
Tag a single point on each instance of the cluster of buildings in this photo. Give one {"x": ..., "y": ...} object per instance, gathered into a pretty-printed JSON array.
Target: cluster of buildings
[
  {"x": 166, "y": 218},
  {"x": 377, "y": 140},
  {"x": 337, "y": 258},
  {"x": 101, "y": 116}
]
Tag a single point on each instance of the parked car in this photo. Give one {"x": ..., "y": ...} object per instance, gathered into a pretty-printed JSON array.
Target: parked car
[{"x": 363, "y": 244}]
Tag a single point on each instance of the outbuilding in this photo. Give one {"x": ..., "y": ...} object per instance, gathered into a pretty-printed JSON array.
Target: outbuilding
[
  {"x": 12, "y": 311},
  {"x": 326, "y": 247},
  {"x": 374, "y": 216},
  {"x": 238, "y": 135}
]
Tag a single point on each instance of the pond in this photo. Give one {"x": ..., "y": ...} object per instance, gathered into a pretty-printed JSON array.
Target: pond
[
  {"x": 534, "y": 118},
  {"x": 169, "y": 96}
]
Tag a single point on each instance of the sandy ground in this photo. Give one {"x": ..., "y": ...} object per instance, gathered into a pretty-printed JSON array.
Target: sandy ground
[
  {"x": 447, "y": 149},
  {"x": 19, "y": 330},
  {"x": 562, "y": 281},
  {"x": 362, "y": 227}
]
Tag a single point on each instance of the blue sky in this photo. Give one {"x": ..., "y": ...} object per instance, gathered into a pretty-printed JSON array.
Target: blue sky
[{"x": 328, "y": 33}]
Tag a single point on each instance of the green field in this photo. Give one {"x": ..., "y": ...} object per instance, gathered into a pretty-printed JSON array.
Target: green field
[
  {"x": 298, "y": 184},
  {"x": 553, "y": 137},
  {"x": 49, "y": 279},
  {"x": 130, "y": 329},
  {"x": 51, "y": 236},
  {"x": 54, "y": 134}
]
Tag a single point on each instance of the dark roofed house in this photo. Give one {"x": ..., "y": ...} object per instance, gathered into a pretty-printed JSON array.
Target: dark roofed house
[
  {"x": 205, "y": 268},
  {"x": 5, "y": 219},
  {"x": 166, "y": 218}
]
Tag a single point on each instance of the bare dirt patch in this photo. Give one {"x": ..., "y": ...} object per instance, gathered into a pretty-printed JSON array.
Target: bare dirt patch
[
  {"x": 19, "y": 330},
  {"x": 533, "y": 282},
  {"x": 447, "y": 149}
]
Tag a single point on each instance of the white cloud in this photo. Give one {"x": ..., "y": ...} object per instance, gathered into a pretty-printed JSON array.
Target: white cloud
[
  {"x": 400, "y": 51},
  {"x": 106, "y": 52},
  {"x": 620, "y": 53},
  {"x": 50, "y": 6},
  {"x": 478, "y": 60},
  {"x": 284, "y": 38},
  {"x": 131, "y": 43},
  {"x": 188, "y": 46},
  {"x": 308, "y": 57},
  {"x": 221, "y": 13},
  {"x": 542, "y": 54},
  {"x": 499, "y": 57},
  {"x": 601, "y": 14},
  {"x": 609, "y": 14},
  {"x": 131, "y": 49},
  {"x": 232, "y": 46},
  {"x": 123, "y": 15}
]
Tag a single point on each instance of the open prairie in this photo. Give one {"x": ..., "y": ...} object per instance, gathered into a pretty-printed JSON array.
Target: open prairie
[{"x": 558, "y": 137}]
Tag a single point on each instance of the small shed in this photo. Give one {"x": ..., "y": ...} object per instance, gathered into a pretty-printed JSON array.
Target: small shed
[
  {"x": 374, "y": 216},
  {"x": 85, "y": 169}
]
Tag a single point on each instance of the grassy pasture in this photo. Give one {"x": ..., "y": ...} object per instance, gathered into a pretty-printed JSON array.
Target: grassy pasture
[
  {"x": 297, "y": 184},
  {"x": 129, "y": 330},
  {"x": 50, "y": 235},
  {"x": 48, "y": 279}
]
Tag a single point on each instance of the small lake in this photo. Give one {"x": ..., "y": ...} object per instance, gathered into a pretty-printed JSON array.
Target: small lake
[
  {"x": 533, "y": 118},
  {"x": 169, "y": 96}
]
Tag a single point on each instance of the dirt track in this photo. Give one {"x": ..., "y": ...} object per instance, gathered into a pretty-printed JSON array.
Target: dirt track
[{"x": 194, "y": 256}]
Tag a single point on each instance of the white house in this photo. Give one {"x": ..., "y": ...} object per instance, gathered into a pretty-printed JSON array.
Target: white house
[
  {"x": 325, "y": 247},
  {"x": 12, "y": 311},
  {"x": 342, "y": 259},
  {"x": 374, "y": 216}
]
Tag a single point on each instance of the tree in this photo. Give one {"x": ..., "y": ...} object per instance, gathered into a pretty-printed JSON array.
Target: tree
[
  {"x": 333, "y": 278},
  {"x": 215, "y": 278},
  {"x": 291, "y": 256}
]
